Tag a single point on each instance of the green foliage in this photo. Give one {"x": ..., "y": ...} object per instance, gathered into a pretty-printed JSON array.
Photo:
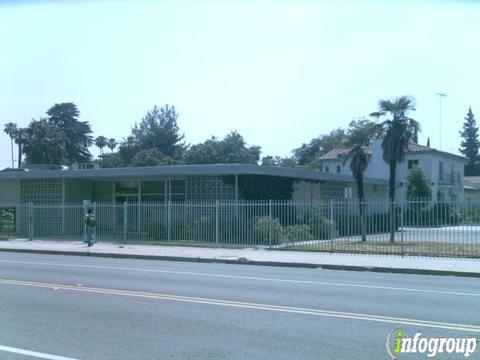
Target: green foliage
[
  {"x": 151, "y": 157},
  {"x": 159, "y": 130},
  {"x": 418, "y": 185},
  {"x": 298, "y": 233},
  {"x": 232, "y": 149},
  {"x": 65, "y": 117},
  {"x": 470, "y": 145},
  {"x": 101, "y": 142},
  {"x": 360, "y": 131},
  {"x": 417, "y": 214},
  {"x": 278, "y": 161},
  {"x": 264, "y": 226},
  {"x": 46, "y": 143},
  {"x": 321, "y": 227}
]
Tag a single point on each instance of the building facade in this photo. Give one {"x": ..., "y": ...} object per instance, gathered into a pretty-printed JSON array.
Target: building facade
[{"x": 445, "y": 171}]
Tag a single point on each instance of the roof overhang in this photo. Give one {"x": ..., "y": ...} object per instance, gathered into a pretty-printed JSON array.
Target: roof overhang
[{"x": 184, "y": 170}]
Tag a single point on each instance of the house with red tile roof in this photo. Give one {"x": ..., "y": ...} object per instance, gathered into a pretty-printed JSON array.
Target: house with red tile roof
[{"x": 444, "y": 170}]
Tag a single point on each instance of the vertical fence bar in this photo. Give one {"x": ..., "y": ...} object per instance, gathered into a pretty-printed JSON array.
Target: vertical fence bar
[
  {"x": 217, "y": 223},
  {"x": 125, "y": 220},
  {"x": 169, "y": 220},
  {"x": 270, "y": 223},
  {"x": 30, "y": 221},
  {"x": 401, "y": 229},
  {"x": 331, "y": 227}
]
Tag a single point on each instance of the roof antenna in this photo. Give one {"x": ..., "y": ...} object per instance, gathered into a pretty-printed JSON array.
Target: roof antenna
[{"x": 440, "y": 96}]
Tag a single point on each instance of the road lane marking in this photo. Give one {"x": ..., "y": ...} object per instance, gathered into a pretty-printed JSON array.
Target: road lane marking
[
  {"x": 311, "y": 282},
  {"x": 249, "y": 305},
  {"x": 36, "y": 354}
]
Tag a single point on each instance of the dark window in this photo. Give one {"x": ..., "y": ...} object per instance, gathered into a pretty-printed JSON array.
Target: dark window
[
  {"x": 153, "y": 187},
  {"x": 339, "y": 168},
  {"x": 327, "y": 169},
  {"x": 412, "y": 163},
  {"x": 440, "y": 170},
  {"x": 126, "y": 187}
]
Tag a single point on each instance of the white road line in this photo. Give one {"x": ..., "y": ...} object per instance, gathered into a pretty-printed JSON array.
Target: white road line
[
  {"x": 38, "y": 355},
  {"x": 377, "y": 287},
  {"x": 248, "y": 305}
]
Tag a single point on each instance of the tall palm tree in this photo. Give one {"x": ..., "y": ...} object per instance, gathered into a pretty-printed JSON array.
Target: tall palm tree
[
  {"x": 399, "y": 131},
  {"x": 20, "y": 139},
  {"x": 101, "y": 142},
  {"x": 11, "y": 130},
  {"x": 358, "y": 164},
  {"x": 111, "y": 144}
]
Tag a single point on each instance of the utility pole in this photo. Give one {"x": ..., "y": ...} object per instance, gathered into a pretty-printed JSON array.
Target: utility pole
[{"x": 440, "y": 96}]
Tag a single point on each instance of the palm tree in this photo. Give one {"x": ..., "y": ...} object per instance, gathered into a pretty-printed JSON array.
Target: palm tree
[
  {"x": 111, "y": 144},
  {"x": 101, "y": 142},
  {"x": 358, "y": 164},
  {"x": 11, "y": 130},
  {"x": 399, "y": 131},
  {"x": 21, "y": 138}
]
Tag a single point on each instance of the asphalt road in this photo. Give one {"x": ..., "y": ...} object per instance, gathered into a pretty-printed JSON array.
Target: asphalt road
[{"x": 98, "y": 308}]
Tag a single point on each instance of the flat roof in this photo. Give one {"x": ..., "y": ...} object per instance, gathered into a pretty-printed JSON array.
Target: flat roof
[{"x": 183, "y": 170}]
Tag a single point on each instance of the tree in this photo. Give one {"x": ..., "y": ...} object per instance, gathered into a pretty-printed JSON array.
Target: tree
[
  {"x": 111, "y": 144},
  {"x": 308, "y": 153},
  {"x": 418, "y": 185},
  {"x": 11, "y": 130},
  {"x": 127, "y": 150},
  {"x": 278, "y": 161},
  {"x": 470, "y": 145},
  {"x": 159, "y": 130},
  {"x": 151, "y": 157},
  {"x": 65, "y": 117},
  {"x": 232, "y": 149},
  {"x": 359, "y": 131},
  {"x": 21, "y": 138},
  {"x": 101, "y": 142},
  {"x": 45, "y": 144},
  {"x": 362, "y": 131},
  {"x": 399, "y": 131},
  {"x": 358, "y": 164}
]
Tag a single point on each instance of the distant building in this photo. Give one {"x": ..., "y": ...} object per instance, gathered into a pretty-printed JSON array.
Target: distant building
[
  {"x": 444, "y": 170},
  {"x": 472, "y": 189}
]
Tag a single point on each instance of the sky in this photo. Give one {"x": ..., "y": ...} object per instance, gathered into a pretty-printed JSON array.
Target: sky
[{"x": 278, "y": 72}]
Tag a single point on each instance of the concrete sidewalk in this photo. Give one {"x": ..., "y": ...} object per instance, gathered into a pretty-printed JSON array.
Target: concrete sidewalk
[{"x": 378, "y": 263}]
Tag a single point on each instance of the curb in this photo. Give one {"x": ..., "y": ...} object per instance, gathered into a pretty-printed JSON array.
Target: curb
[{"x": 243, "y": 261}]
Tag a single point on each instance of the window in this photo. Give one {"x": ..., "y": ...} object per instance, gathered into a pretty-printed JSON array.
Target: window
[
  {"x": 412, "y": 163},
  {"x": 440, "y": 171},
  {"x": 339, "y": 169},
  {"x": 327, "y": 168}
]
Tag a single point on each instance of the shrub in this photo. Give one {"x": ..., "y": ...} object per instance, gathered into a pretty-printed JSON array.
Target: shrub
[
  {"x": 264, "y": 226},
  {"x": 321, "y": 227},
  {"x": 298, "y": 233},
  {"x": 436, "y": 215}
]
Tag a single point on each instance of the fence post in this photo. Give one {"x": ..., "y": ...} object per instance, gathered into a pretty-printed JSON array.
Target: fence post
[
  {"x": 270, "y": 223},
  {"x": 401, "y": 227},
  {"x": 125, "y": 220},
  {"x": 331, "y": 226},
  {"x": 169, "y": 220},
  {"x": 217, "y": 223},
  {"x": 30, "y": 221}
]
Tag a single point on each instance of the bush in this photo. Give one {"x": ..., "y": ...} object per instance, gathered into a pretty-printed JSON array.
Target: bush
[
  {"x": 321, "y": 227},
  {"x": 298, "y": 233},
  {"x": 436, "y": 215},
  {"x": 264, "y": 225}
]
